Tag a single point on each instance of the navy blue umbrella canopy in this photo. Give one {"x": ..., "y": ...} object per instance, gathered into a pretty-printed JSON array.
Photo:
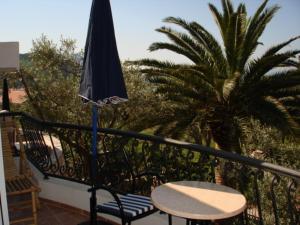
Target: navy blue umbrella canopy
[{"x": 102, "y": 78}]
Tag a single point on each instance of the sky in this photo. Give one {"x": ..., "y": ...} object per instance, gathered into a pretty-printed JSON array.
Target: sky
[{"x": 135, "y": 22}]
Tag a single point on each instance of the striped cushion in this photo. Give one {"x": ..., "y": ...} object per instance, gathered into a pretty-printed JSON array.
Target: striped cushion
[{"x": 133, "y": 205}]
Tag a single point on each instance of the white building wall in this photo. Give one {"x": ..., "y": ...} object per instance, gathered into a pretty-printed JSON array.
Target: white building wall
[
  {"x": 9, "y": 56},
  {"x": 4, "y": 220}
]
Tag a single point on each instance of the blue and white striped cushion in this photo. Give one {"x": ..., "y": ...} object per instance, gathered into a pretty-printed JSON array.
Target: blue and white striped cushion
[{"x": 133, "y": 205}]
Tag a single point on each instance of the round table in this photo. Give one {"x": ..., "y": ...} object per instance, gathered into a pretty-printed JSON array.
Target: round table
[{"x": 196, "y": 200}]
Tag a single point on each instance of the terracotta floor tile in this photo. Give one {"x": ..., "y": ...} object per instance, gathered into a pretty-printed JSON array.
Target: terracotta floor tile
[{"x": 49, "y": 214}]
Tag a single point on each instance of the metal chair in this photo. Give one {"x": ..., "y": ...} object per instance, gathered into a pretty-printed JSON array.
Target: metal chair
[
  {"x": 18, "y": 182},
  {"x": 129, "y": 206},
  {"x": 129, "y": 189}
]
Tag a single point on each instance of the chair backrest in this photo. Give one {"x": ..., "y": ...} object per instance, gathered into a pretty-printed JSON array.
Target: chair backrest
[
  {"x": 10, "y": 168},
  {"x": 10, "y": 134}
]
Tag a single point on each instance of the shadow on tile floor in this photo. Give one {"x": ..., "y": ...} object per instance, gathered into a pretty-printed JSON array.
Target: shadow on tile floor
[{"x": 51, "y": 213}]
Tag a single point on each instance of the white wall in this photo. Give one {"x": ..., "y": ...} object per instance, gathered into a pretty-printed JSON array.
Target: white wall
[{"x": 4, "y": 211}]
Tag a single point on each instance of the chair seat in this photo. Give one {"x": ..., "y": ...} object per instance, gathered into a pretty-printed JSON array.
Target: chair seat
[
  {"x": 19, "y": 185},
  {"x": 133, "y": 206}
]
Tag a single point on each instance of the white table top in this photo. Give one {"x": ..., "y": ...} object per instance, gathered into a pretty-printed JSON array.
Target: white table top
[{"x": 198, "y": 200}]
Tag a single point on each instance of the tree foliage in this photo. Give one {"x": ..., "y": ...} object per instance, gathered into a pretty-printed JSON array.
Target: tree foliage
[
  {"x": 268, "y": 144},
  {"x": 50, "y": 77},
  {"x": 226, "y": 84},
  {"x": 51, "y": 73}
]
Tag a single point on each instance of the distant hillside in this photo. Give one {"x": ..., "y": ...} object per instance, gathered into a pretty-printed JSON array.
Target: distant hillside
[{"x": 24, "y": 59}]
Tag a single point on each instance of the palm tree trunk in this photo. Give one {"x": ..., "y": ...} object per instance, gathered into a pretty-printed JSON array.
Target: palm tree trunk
[
  {"x": 225, "y": 130},
  {"x": 218, "y": 170}
]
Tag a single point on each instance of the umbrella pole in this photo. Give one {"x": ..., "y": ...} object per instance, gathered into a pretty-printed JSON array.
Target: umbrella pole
[{"x": 93, "y": 199}]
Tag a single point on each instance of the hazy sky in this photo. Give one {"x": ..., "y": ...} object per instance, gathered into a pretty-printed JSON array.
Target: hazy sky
[{"x": 134, "y": 20}]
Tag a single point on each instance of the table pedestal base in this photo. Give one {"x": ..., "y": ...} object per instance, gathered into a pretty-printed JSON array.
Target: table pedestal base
[{"x": 194, "y": 222}]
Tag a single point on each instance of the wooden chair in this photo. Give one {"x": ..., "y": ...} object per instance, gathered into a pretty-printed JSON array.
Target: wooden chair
[{"x": 19, "y": 182}]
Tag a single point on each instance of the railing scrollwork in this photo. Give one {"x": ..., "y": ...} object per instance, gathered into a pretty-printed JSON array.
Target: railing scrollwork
[{"x": 64, "y": 151}]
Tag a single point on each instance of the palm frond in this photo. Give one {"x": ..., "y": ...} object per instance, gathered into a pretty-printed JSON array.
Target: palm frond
[
  {"x": 218, "y": 19},
  {"x": 206, "y": 43},
  {"x": 270, "y": 85},
  {"x": 255, "y": 29},
  {"x": 260, "y": 10},
  {"x": 286, "y": 92},
  {"x": 153, "y": 63},
  {"x": 198, "y": 72},
  {"x": 241, "y": 29},
  {"x": 227, "y": 10},
  {"x": 230, "y": 42},
  {"x": 290, "y": 63},
  {"x": 293, "y": 100},
  {"x": 172, "y": 127},
  {"x": 272, "y": 112},
  {"x": 185, "y": 74},
  {"x": 260, "y": 67},
  {"x": 184, "y": 41},
  {"x": 280, "y": 80},
  {"x": 167, "y": 87},
  {"x": 174, "y": 48},
  {"x": 213, "y": 47},
  {"x": 273, "y": 50},
  {"x": 230, "y": 85}
]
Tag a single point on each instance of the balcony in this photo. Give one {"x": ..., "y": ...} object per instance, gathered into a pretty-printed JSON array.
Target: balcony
[{"x": 59, "y": 156}]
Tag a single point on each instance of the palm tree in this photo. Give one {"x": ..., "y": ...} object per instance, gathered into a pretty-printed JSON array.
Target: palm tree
[{"x": 226, "y": 84}]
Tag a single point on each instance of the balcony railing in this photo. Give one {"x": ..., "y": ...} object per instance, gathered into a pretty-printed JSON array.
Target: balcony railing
[{"x": 63, "y": 151}]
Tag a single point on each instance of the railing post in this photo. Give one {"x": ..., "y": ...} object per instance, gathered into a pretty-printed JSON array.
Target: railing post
[{"x": 274, "y": 182}]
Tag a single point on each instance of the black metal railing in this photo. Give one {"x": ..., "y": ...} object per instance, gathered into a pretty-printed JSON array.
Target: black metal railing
[{"x": 63, "y": 151}]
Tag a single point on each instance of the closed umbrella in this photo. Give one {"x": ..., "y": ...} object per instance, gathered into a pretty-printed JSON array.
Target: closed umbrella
[
  {"x": 5, "y": 98},
  {"x": 102, "y": 80}
]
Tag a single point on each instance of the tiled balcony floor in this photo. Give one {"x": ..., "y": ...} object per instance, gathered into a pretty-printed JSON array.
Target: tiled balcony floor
[{"x": 51, "y": 213}]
